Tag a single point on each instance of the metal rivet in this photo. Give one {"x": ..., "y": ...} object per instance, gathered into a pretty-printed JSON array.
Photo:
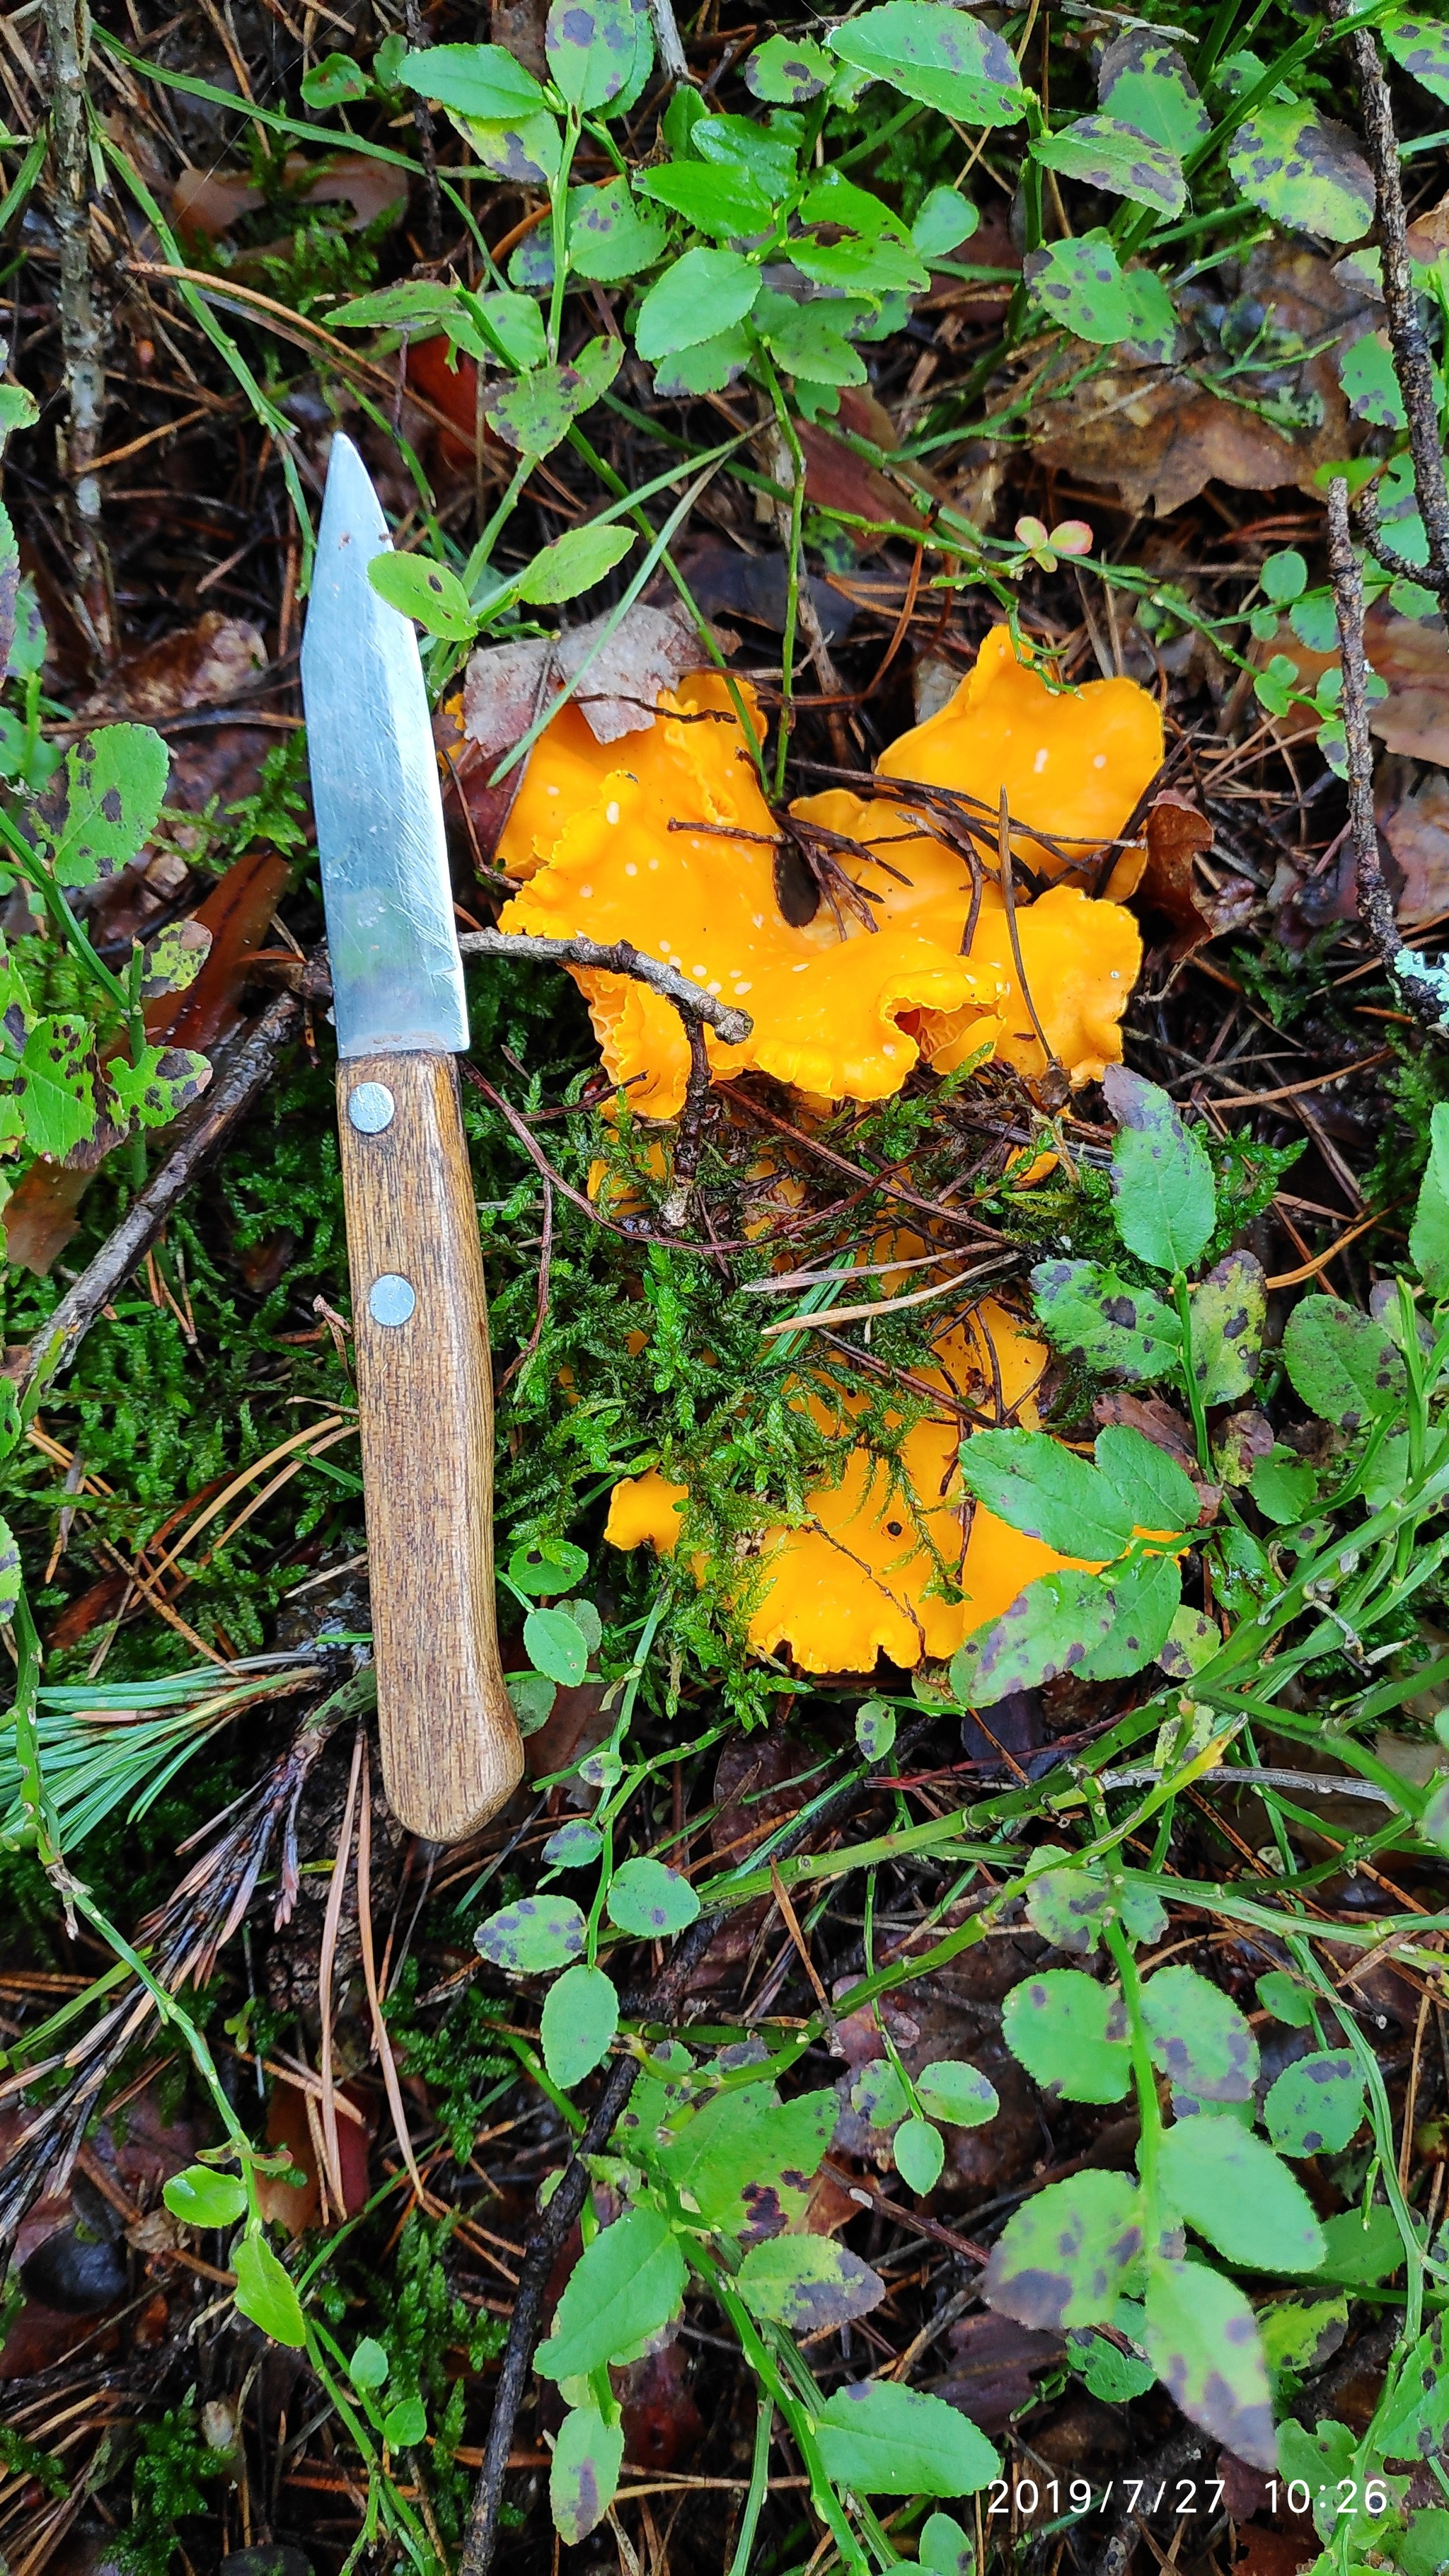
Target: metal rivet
[
  {"x": 370, "y": 1108},
  {"x": 391, "y": 1299}
]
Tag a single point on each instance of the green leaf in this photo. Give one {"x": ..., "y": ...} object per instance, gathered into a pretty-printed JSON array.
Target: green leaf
[
  {"x": 623, "y": 2288},
  {"x": 1317, "y": 2104},
  {"x": 405, "y": 2424},
  {"x": 1055, "y": 1626},
  {"x": 874, "y": 268},
  {"x": 738, "y": 143},
  {"x": 1124, "y": 1331},
  {"x": 1142, "y": 1601},
  {"x": 879, "y": 2095},
  {"x": 1284, "y": 1489},
  {"x": 1070, "y": 2034},
  {"x": 1199, "y": 2038},
  {"x": 807, "y": 339},
  {"x": 651, "y": 1901},
  {"x": 56, "y": 1085},
  {"x": 1361, "y": 2256},
  {"x": 730, "y": 204},
  {"x": 1104, "y": 153},
  {"x": 430, "y": 592},
  {"x": 10, "y": 1418},
  {"x": 1342, "y": 1363},
  {"x": 708, "y": 367},
  {"x": 1234, "y": 2190},
  {"x": 11, "y": 1572},
  {"x": 1287, "y": 2001},
  {"x": 944, "y": 2548},
  {"x": 701, "y": 296},
  {"x": 1429, "y": 1235},
  {"x": 611, "y": 236},
  {"x": 536, "y": 411},
  {"x": 940, "y": 56},
  {"x": 1043, "y": 1488},
  {"x": 1423, "y": 2549},
  {"x": 584, "y": 2476},
  {"x": 1162, "y": 1181},
  {"x": 1069, "y": 1907},
  {"x": 156, "y": 1090},
  {"x": 265, "y": 2292},
  {"x": 1147, "y": 84},
  {"x": 944, "y": 220},
  {"x": 1420, "y": 47},
  {"x": 785, "y": 71},
  {"x": 580, "y": 2017},
  {"x": 547, "y": 1565},
  {"x": 1191, "y": 1641},
  {"x": 574, "y": 1845},
  {"x": 590, "y": 46},
  {"x": 107, "y": 804},
  {"x": 574, "y": 562},
  {"x": 1304, "y": 170},
  {"x": 483, "y": 81},
  {"x": 533, "y": 1696},
  {"x": 948, "y": 2089},
  {"x": 552, "y": 1640},
  {"x": 881, "y": 2439},
  {"x": 532, "y": 1936},
  {"x": 1229, "y": 1311},
  {"x": 1082, "y": 285},
  {"x": 1284, "y": 577},
  {"x": 920, "y": 2153},
  {"x": 1203, "y": 2340},
  {"x": 1150, "y": 1485},
  {"x": 1064, "y": 2256},
  {"x": 368, "y": 2367},
  {"x": 1299, "y": 2335},
  {"x": 1366, "y": 373},
  {"x": 337, "y": 81},
  {"x": 747, "y": 2161},
  {"x": 875, "y": 1729},
  {"x": 808, "y": 2284},
  {"x": 203, "y": 2198}
]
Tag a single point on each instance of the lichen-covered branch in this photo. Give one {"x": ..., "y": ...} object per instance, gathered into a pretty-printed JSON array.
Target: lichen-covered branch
[
  {"x": 1424, "y": 989},
  {"x": 67, "y": 25}
]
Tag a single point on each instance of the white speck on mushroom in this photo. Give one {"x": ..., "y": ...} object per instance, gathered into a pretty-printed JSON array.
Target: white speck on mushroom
[
  {"x": 1040, "y": 762},
  {"x": 1099, "y": 760},
  {"x": 611, "y": 810}
]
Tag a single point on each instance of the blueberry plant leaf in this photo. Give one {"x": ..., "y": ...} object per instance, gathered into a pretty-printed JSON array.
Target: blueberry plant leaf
[
  {"x": 808, "y": 2283},
  {"x": 1317, "y": 2104},
  {"x": 590, "y": 46},
  {"x": 1143, "y": 81},
  {"x": 702, "y": 295},
  {"x": 265, "y": 2292},
  {"x": 944, "y": 58},
  {"x": 1120, "y": 1330},
  {"x": 785, "y": 71},
  {"x": 1429, "y": 1234},
  {"x": 1054, "y": 1626},
  {"x": 650, "y": 1901},
  {"x": 583, "y": 2477},
  {"x": 580, "y": 2017},
  {"x": 882, "y": 2439},
  {"x": 1231, "y": 2187},
  {"x": 1420, "y": 47},
  {"x": 156, "y": 1090},
  {"x": 1229, "y": 1310},
  {"x": 1198, "y": 2036},
  {"x": 106, "y": 803},
  {"x": 533, "y": 1936},
  {"x": 610, "y": 235},
  {"x": 623, "y": 2288},
  {"x": 1342, "y": 1363},
  {"x": 1045, "y": 1490},
  {"x": 1064, "y": 2256},
  {"x": 1304, "y": 170},
  {"x": 1102, "y": 152},
  {"x": 1203, "y": 2340},
  {"x": 56, "y": 1085},
  {"x": 482, "y": 81},
  {"x": 1070, "y": 2034},
  {"x": 950, "y": 2090},
  {"x": 1162, "y": 1181}
]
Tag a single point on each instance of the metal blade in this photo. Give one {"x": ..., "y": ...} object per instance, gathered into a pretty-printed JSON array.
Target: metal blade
[{"x": 397, "y": 977}]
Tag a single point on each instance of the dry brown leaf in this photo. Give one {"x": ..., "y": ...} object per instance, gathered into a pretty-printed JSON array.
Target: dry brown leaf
[
  {"x": 204, "y": 665},
  {"x": 209, "y": 202},
  {"x": 1417, "y": 831},
  {"x": 1158, "y": 435},
  {"x": 1167, "y": 891}
]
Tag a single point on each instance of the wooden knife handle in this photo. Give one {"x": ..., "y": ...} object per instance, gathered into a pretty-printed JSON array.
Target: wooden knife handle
[{"x": 451, "y": 1752}]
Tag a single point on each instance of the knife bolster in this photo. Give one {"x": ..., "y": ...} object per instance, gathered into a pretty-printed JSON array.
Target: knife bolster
[{"x": 451, "y": 1752}]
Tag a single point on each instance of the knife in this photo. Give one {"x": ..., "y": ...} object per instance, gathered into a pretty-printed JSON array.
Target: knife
[{"x": 451, "y": 1752}]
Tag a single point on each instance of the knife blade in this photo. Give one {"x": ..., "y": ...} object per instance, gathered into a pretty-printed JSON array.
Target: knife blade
[{"x": 450, "y": 1744}]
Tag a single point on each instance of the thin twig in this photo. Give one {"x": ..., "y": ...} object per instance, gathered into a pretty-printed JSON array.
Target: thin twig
[
  {"x": 618, "y": 957},
  {"x": 1423, "y": 990}
]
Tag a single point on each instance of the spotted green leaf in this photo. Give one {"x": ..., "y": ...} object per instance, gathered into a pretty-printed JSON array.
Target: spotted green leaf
[
  {"x": 882, "y": 2439},
  {"x": 941, "y": 56},
  {"x": 875, "y": 1729},
  {"x": 156, "y": 1090},
  {"x": 1238, "y": 2194},
  {"x": 430, "y": 592},
  {"x": 610, "y": 235},
  {"x": 808, "y": 2283},
  {"x": 747, "y": 2161},
  {"x": 651, "y": 1901},
  {"x": 1081, "y": 284},
  {"x": 1044, "y": 1489},
  {"x": 590, "y": 49},
  {"x": 1121, "y": 1330},
  {"x": 533, "y": 412},
  {"x": 1342, "y": 1363},
  {"x": 944, "y": 2548},
  {"x": 950, "y": 2090},
  {"x": 1191, "y": 1641},
  {"x": 623, "y": 2288},
  {"x": 1198, "y": 2037},
  {"x": 1229, "y": 1310},
  {"x": 337, "y": 81},
  {"x": 584, "y": 2474},
  {"x": 785, "y": 71},
  {"x": 1420, "y": 47},
  {"x": 56, "y": 1085},
  {"x": 1203, "y": 2340},
  {"x": 878, "y": 2094},
  {"x": 1304, "y": 170},
  {"x": 1070, "y": 2033},
  {"x": 1055, "y": 1626},
  {"x": 1069, "y": 1908},
  {"x": 1317, "y": 2104},
  {"x": 106, "y": 803},
  {"x": 532, "y": 1936},
  {"x": 1143, "y": 81},
  {"x": 11, "y": 1572},
  {"x": 1062, "y": 2259},
  {"x": 707, "y": 367},
  {"x": 1102, "y": 152}
]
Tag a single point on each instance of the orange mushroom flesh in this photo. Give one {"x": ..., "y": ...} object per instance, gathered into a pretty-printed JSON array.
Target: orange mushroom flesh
[{"x": 871, "y": 1570}]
